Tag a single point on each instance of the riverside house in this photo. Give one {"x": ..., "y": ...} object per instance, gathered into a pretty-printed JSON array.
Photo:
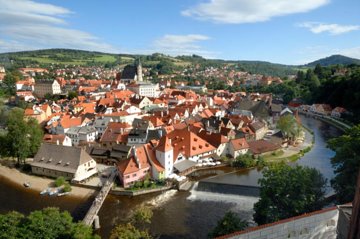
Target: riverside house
[{"x": 70, "y": 162}]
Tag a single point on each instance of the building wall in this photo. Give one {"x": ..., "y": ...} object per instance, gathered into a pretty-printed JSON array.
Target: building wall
[
  {"x": 85, "y": 170},
  {"x": 51, "y": 173},
  {"x": 321, "y": 225},
  {"x": 131, "y": 178}
]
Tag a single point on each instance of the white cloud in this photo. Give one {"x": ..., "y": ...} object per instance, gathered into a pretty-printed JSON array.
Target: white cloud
[
  {"x": 333, "y": 29},
  {"x": 27, "y": 25},
  {"x": 249, "y": 11},
  {"x": 182, "y": 45}
]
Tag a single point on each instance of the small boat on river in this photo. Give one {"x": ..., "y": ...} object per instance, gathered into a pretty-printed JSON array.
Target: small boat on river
[
  {"x": 27, "y": 184},
  {"x": 45, "y": 191},
  {"x": 63, "y": 194},
  {"x": 53, "y": 192}
]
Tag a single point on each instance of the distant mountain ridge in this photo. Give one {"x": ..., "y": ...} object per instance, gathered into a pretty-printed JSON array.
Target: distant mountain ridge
[{"x": 334, "y": 60}]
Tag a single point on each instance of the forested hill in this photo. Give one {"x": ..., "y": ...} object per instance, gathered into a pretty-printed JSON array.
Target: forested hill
[
  {"x": 334, "y": 60},
  {"x": 44, "y": 58},
  {"x": 88, "y": 58}
]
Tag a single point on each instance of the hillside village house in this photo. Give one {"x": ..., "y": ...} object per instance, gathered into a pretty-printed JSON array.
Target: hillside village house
[
  {"x": 145, "y": 89},
  {"x": 43, "y": 87},
  {"x": 338, "y": 112},
  {"x": 238, "y": 147},
  {"x": 70, "y": 162},
  {"x": 79, "y": 134},
  {"x": 322, "y": 109}
]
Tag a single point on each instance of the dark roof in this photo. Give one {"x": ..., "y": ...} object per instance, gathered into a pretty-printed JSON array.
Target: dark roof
[
  {"x": 129, "y": 72},
  {"x": 258, "y": 108},
  {"x": 262, "y": 146},
  {"x": 140, "y": 124},
  {"x": 276, "y": 108},
  {"x": 255, "y": 126},
  {"x": 137, "y": 133},
  {"x": 60, "y": 158}
]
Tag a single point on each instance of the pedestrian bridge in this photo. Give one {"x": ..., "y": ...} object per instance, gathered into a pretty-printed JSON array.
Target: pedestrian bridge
[{"x": 91, "y": 215}]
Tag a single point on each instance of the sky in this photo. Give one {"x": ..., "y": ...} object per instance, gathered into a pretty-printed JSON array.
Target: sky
[{"x": 280, "y": 31}]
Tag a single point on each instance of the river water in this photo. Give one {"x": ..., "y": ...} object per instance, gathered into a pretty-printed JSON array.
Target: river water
[{"x": 189, "y": 214}]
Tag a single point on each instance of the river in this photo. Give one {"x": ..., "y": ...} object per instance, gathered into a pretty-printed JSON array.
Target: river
[{"x": 176, "y": 214}]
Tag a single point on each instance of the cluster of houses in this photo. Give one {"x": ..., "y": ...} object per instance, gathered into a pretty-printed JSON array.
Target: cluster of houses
[
  {"x": 143, "y": 130},
  {"x": 319, "y": 109}
]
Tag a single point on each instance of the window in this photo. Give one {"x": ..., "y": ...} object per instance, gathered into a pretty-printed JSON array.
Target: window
[{"x": 134, "y": 175}]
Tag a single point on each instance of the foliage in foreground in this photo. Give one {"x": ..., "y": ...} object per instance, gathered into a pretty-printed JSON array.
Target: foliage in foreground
[
  {"x": 287, "y": 191},
  {"x": 136, "y": 229},
  {"x": 43, "y": 224},
  {"x": 346, "y": 163},
  {"x": 228, "y": 224}
]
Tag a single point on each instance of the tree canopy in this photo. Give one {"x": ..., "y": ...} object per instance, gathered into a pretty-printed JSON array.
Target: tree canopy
[
  {"x": 43, "y": 224},
  {"x": 228, "y": 224},
  {"x": 287, "y": 191},
  {"x": 346, "y": 163},
  {"x": 23, "y": 137},
  {"x": 136, "y": 228}
]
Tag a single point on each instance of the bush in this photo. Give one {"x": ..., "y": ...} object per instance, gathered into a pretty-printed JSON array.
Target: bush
[
  {"x": 67, "y": 187},
  {"x": 244, "y": 161},
  {"x": 60, "y": 181}
]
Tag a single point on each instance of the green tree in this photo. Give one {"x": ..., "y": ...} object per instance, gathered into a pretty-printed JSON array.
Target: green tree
[
  {"x": 288, "y": 126},
  {"x": 23, "y": 137},
  {"x": 59, "y": 181},
  {"x": 244, "y": 161},
  {"x": 346, "y": 163},
  {"x": 228, "y": 224},
  {"x": 128, "y": 231},
  {"x": 72, "y": 95},
  {"x": 10, "y": 80},
  {"x": 142, "y": 216},
  {"x": 9, "y": 224},
  {"x": 287, "y": 191},
  {"x": 43, "y": 224}
]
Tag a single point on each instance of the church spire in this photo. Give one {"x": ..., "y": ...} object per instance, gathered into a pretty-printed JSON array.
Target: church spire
[{"x": 139, "y": 71}]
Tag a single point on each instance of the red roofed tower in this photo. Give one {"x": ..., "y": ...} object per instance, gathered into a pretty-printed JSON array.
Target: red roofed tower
[{"x": 165, "y": 155}]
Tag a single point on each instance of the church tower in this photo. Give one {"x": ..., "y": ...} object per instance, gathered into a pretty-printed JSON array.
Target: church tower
[{"x": 139, "y": 71}]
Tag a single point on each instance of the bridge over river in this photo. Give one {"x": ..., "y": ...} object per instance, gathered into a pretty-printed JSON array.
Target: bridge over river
[{"x": 91, "y": 216}]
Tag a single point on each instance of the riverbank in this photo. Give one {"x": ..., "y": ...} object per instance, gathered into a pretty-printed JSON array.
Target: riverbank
[
  {"x": 293, "y": 153},
  {"x": 39, "y": 183}
]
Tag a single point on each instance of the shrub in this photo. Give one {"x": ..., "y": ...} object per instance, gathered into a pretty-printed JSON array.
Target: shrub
[
  {"x": 243, "y": 161},
  {"x": 59, "y": 181},
  {"x": 67, "y": 187}
]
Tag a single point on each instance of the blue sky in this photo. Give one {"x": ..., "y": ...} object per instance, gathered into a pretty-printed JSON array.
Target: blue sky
[{"x": 280, "y": 31}]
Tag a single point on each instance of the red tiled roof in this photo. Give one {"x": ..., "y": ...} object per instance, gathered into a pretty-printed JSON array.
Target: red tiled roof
[
  {"x": 239, "y": 144},
  {"x": 164, "y": 144},
  {"x": 188, "y": 143}
]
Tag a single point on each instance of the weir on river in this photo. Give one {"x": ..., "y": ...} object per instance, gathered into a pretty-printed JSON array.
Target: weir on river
[{"x": 92, "y": 214}]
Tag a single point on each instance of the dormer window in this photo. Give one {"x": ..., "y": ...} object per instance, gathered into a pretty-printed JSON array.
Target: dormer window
[
  {"x": 50, "y": 159},
  {"x": 59, "y": 162},
  {"x": 67, "y": 163}
]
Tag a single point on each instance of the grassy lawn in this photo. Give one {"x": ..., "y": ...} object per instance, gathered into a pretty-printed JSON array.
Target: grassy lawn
[{"x": 273, "y": 156}]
